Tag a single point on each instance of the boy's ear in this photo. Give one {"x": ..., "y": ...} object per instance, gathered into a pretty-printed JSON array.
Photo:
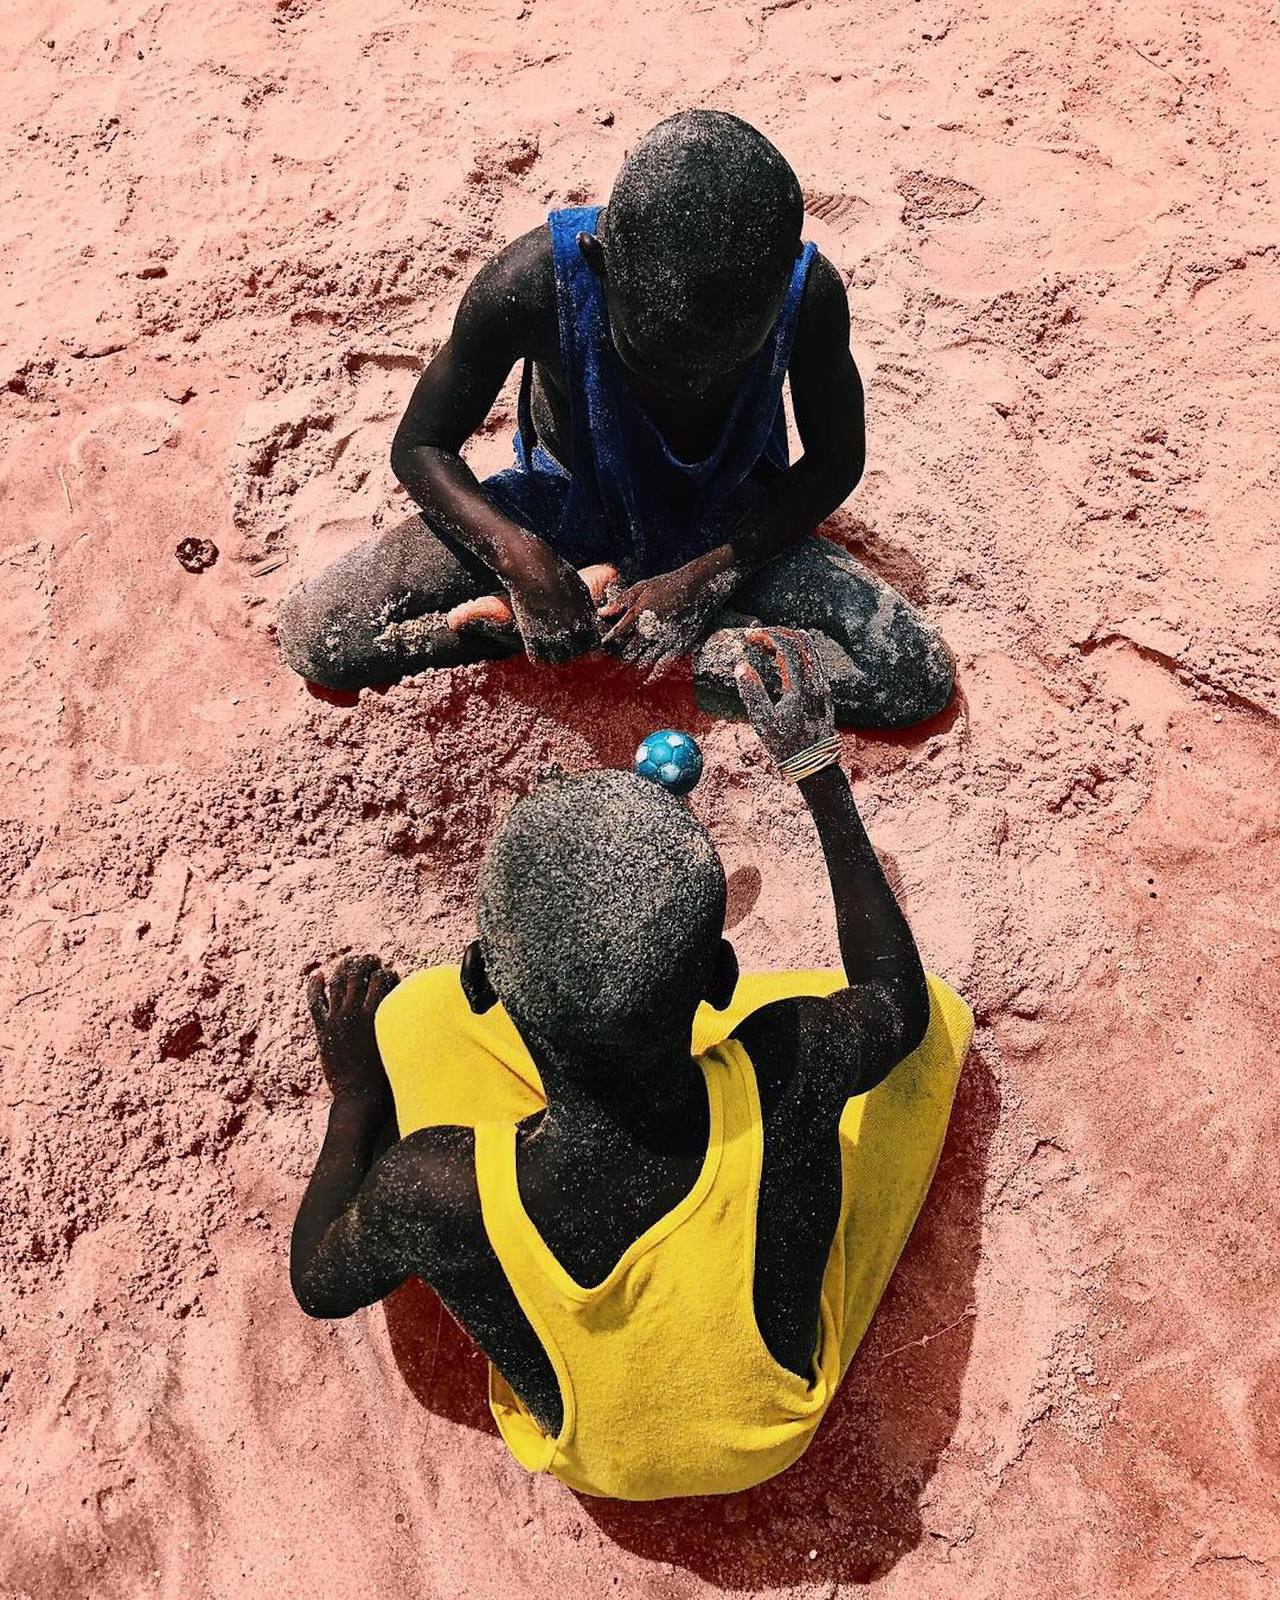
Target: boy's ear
[
  {"x": 480, "y": 993},
  {"x": 724, "y": 976},
  {"x": 592, "y": 252}
]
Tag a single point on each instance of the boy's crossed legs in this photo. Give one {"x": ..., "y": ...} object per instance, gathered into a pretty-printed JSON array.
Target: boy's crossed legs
[
  {"x": 380, "y": 613},
  {"x": 887, "y": 667}
]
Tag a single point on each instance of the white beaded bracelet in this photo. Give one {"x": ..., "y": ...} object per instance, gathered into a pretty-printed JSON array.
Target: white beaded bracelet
[{"x": 824, "y": 753}]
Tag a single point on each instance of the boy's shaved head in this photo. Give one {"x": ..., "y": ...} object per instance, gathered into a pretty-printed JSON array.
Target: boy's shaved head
[
  {"x": 601, "y": 904},
  {"x": 701, "y": 233}
]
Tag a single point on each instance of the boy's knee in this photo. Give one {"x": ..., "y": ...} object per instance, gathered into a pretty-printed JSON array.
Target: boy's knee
[
  {"x": 925, "y": 678},
  {"x": 939, "y": 678},
  {"x": 900, "y": 674},
  {"x": 315, "y": 643}
]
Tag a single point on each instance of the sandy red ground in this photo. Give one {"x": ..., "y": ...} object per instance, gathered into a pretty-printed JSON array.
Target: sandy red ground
[{"x": 231, "y": 233}]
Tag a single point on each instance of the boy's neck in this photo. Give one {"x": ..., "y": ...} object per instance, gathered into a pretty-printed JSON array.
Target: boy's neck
[{"x": 643, "y": 1092}]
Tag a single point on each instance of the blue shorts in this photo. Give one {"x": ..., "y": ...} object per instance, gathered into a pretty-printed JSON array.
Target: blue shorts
[{"x": 538, "y": 500}]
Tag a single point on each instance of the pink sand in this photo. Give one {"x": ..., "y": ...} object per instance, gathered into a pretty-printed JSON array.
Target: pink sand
[{"x": 231, "y": 235}]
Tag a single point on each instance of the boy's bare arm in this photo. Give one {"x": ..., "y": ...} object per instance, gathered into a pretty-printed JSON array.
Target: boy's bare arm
[
  {"x": 354, "y": 1243},
  {"x": 370, "y": 1216},
  {"x": 830, "y": 1049},
  {"x": 361, "y": 1124},
  {"x": 826, "y": 395},
  {"x": 502, "y": 318}
]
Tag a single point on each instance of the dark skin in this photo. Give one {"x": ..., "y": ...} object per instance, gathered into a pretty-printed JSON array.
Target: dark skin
[
  {"x": 508, "y": 315},
  {"x": 615, "y": 1151}
]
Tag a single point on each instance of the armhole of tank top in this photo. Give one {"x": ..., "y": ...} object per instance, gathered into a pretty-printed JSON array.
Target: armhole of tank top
[
  {"x": 804, "y": 265},
  {"x": 748, "y": 1093},
  {"x": 495, "y": 1150},
  {"x": 565, "y": 326},
  {"x": 751, "y": 1094}
]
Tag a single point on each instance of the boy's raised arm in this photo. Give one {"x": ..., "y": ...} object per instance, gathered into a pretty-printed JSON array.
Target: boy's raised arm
[
  {"x": 847, "y": 1043},
  {"x": 493, "y": 330}
]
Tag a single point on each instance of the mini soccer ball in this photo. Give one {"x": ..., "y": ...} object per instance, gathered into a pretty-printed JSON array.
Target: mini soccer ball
[{"x": 671, "y": 759}]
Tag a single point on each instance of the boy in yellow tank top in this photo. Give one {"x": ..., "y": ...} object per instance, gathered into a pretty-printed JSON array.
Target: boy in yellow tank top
[{"x": 663, "y": 1201}]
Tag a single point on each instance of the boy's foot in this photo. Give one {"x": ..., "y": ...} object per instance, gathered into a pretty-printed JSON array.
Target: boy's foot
[{"x": 491, "y": 616}]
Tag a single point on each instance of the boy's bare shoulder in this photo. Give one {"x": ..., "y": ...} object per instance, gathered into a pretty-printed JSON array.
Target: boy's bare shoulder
[
  {"x": 519, "y": 283},
  {"x": 432, "y": 1169},
  {"x": 825, "y": 299},
  {"x": 820, "y": 355}
]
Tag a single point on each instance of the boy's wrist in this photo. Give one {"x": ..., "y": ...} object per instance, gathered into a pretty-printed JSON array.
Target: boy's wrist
[
  {"x": 509, "y": 561},
  {"x": 817, "y": 756},
  {"x": 828, "y": 780},
  {"x": 713, "y": 563},
  {"x": 521, "y": 556},
  {"x": 713, "y": 576}
]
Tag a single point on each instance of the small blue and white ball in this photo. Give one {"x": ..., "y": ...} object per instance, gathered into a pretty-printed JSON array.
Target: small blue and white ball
[{"x": 670, "y": 758}]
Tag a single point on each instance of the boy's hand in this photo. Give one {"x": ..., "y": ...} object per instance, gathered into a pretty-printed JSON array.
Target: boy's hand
[
  {"x": 803, "y": 713},
  {"x": 660, "y": 618},
  {"x": 553, "y": 608},
  {"x": 342, "y": 1012},
  {"x": 493, "y": 616}
]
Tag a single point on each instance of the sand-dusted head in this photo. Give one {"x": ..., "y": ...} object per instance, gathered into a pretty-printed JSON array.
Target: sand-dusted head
[
  {"x": 601, "y": 905},
  {"x": 696, "y": 248}
]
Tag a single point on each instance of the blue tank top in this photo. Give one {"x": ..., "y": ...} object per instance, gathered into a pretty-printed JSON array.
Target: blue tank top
[{"x": 629, "y": 495}]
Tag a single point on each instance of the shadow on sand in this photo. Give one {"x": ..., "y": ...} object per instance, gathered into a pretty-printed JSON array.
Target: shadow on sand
[
  {"x": 854, "y": 1499},
  {"x": 615, "y": 708}
]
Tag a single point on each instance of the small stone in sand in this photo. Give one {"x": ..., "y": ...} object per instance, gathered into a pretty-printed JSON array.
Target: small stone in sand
[{"x": 197, "y": 554}]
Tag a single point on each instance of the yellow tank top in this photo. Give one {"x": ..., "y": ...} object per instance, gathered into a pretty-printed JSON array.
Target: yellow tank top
[
  {"x": 668, "y": 1388},
  {"x": 667, "y": 1385}
]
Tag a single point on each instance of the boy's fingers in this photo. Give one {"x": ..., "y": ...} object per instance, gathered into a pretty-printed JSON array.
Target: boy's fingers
[
  {"x": 348, "y": 981},
  {"x": 791, "y": 658},
  {"x": 754, "y": 694},
  {"x": 381, "y": 986},
  {"x": 650, "y": 659},
  {"x": 815, "y": 685},
  {"x": 363, "y": 978},
  {"x": 809, "y": 658},
  {"x": 621, "y": 627},
  {"x": 623, "y": 600},
  {"x": 764, "y": 641},
  {"x": 665, "y": 663},
  {"x": 317, "y": 1000},
  {"x": 762, "y": 657},
  {"x": 639, "y": 651}
]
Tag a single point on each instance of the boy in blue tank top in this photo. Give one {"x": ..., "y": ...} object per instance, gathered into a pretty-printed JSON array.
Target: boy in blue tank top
[{"x": 653, "y": 509}]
